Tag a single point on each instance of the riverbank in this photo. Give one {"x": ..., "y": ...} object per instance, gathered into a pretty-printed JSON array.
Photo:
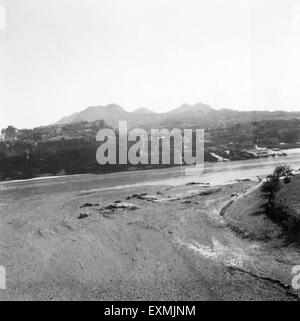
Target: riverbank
[
  {"x": 22, "y": 160},
  {"x": 252, "y": 217},
  {"x": 152, "y": 243}
]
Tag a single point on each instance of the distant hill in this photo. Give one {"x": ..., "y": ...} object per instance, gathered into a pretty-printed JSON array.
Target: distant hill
[
  {"x": 143, "y": 111},
  {"x": 185, "y": 116},
  {"x": 110, "y": 113},
  {"x": 198, "y": 108},
  {"x": 71, "y": 148},
  {"x": 68, "y": 119}
]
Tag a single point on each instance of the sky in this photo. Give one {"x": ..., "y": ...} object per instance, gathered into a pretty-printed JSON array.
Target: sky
[{"x": 61, "y": 56}]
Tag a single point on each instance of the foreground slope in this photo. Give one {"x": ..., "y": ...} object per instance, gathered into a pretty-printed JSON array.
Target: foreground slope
[{"x": 163, "y": 244}]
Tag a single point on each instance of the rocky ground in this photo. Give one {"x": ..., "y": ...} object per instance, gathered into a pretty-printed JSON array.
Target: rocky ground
[{"x": 155, "y": 243}]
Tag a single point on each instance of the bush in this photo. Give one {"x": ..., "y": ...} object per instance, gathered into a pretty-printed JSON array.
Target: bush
[
  {"x": 283, "y": 170},
  {"x": 272, "y": 185}
]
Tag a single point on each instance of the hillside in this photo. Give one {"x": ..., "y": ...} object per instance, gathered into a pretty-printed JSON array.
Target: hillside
[
  {"x": 112, "y": 114},
  {"x": 250, "y": 216},
  {"x": 143, "y": 110},
  {"x": 71, "y": 148},
  {"x": 185, "y": 116}
]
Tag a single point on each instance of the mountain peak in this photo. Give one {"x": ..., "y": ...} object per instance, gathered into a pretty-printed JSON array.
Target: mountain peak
[{"x": 203, "y": 108}]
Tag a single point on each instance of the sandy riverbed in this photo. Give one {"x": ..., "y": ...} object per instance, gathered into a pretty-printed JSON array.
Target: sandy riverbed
[{"x": 175, "y": 246}]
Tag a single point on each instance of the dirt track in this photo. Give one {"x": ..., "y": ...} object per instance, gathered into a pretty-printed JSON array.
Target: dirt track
[{"x": 176, "y": 248}]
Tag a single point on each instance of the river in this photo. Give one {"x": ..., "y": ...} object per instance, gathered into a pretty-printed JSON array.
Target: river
[{"x": 213, "y": 173}]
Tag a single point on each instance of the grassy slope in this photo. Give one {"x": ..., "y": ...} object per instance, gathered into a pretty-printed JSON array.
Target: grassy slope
[{"x": 248, "y": 217}]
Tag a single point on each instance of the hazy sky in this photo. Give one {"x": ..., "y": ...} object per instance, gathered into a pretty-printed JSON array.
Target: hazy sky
[{"x": 61, "y": 56}]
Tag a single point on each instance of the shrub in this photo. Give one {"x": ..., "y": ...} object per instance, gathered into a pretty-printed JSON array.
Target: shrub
[
  {"x": 283, "y": 170},
  {"x": 272, "y": 185}
]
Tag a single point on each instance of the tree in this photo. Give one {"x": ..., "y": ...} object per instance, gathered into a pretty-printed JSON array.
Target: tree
[
  {"x": 283, "y": 170},
  {"x": 272, "y": 185},
  {"x": 291, "y": 136},
  {"x": 9, "y": 133}
]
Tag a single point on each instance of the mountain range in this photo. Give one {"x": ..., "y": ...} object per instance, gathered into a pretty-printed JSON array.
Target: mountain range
[{"x": 185, "y": 116}]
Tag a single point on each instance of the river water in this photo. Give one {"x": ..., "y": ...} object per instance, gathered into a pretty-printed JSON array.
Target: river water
[{"x": 213, "y": 173}]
